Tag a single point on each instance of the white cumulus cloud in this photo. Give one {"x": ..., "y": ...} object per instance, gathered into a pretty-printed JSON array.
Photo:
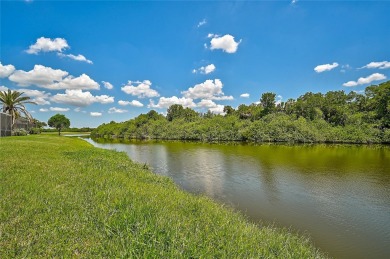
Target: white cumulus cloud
[
  {"x": 39, "y": 97},
  {"x": 380, "y": 65},
  {"x": 47, "y": 45},
  {"x": 6, "y": 70},
  {"x": 81, "y": 99},
  {"x": 49, "y": 78},
  {"x": 165, "y": 102},
  {"x": 365, "y": 80},
  {"x": 140, "y": 89},
  {"x": 115, "y": 110},
  {"x": 79, "y": 57},
  {"x": 226, "y": 43},
  {"x": 83, "y": 82},
  {"x": 43, "y": 110},
  {"x": 209, "y": 89},
  {"x": 211, "y": 106},
  {"x": 217, "y": 109},
  {"x": 58, "y": 109},
  {"x": 245, "y": 95},
  {"x": 134, "y": 103},
  {"x": 325, "y": 67},
  {"x": 3, "y": 88},
  {"x": 40, "y": 76},
  {"x": 95, "y": 114},
  {"x": 205, "y": 70},
  {"x": 206, "y": 104},
  {"x": 107, "y": 85}
]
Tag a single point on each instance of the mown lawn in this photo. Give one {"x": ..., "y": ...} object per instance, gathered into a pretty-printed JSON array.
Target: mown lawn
[{"x": 61, "y": 197}]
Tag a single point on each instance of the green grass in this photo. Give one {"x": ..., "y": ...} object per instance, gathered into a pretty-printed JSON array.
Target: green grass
[
  {"x": 65, "y": 133},
  {"x": 61, "y": 197}
]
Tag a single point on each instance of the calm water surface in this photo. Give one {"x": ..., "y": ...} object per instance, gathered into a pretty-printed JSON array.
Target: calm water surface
[{"x": 338, "y": 194}]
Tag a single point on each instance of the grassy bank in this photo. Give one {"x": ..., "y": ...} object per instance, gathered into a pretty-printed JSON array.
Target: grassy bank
[
  {"x": 67, "y": 133},
  {"x": 62, "y": 197}
]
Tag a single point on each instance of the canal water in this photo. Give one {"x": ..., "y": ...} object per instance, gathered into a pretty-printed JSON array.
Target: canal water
[{"x": 337, "y": 194}]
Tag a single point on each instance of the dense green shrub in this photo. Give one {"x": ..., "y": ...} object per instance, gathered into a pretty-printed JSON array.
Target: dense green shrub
[
  {"x": 19, "y": 132},
  {"x": 333, "y": 117}
]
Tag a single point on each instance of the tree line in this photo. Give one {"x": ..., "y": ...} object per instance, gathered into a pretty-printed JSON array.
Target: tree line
[{"x": 335, "y": 117}]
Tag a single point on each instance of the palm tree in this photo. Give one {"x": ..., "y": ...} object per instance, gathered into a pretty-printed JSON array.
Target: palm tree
[{"x": 14, "y": 104}]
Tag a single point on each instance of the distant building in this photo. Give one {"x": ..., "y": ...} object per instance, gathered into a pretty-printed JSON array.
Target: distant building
[
  {"x": 23, "y": 123},
  {"x": 5, "y": 124}
]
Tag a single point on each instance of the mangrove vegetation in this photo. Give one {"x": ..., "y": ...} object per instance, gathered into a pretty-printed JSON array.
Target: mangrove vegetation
[{"x": 335, "y": 117}]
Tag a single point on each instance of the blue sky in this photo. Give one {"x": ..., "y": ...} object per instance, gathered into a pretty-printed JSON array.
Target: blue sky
[{"x": 97, "y": 61}]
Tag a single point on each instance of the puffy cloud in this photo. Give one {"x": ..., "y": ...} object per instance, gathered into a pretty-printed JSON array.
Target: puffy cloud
[
  {"x": 217, "y": 109},
  {"x": 165, "y": 102},
  {"x": 41, "y": 76},
  {"x": 83, "y": 82},
  {"x": 140, "y": 89},
  {"x": 201, "y": 23},
  {"x": 209, "y": 89},
  {"x": 205, "y": 70},
  {"x": 49, "y": 78},
  {"x": 225, "y": 43},
  {"x": 380, "y": 65},
  {"x": 58, "y": 109},
  {"x": 80, "y": 98},
  {"x": 132, "y": 103},
  {"x": 6, "y": 70},
  {"x": 47, "y": 45},
  {"x": 325, "y": 67},
  {"x": 95, "y": 114},
  {"x": 3, "y": 88},
  {"x": 206, "y": 104},
  {"x": 43, "y": 110},
  {"x": 222, "y": 98},
  {"x": 245, "y": 95},
  {"x": 107, "y": 85},
  {"x": 79, "y": 57},
  {"x": 212, "y": 106},
  {"x": 365, "y": 80},
  {"x": 40, "y": 97},
  {"x": 115, "y": 110}
]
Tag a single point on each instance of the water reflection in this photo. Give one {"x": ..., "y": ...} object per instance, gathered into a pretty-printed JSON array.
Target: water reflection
[{"x": 339, "y": 194}]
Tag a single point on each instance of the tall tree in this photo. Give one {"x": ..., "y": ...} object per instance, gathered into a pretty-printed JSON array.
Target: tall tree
[
  {"x": 14, "y": 104},
  {"x": 174, "y": 111},
  {"x": 379, "y": 102},
  {"x": 268, "y": 100},
  {"x": 59, "y": 121}
]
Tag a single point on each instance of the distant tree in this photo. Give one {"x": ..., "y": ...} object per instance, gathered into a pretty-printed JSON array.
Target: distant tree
[
  {"x": 335, "y": 107},
  {"x": 244, "y": 112},
  {"x": 174, "y": 111},
  {"x": 228, "y": 110},
  {"x": 177, "y": 111},
  {"x": 59, "y": 121},
  {"x": 153, "y": 115},
  {"x": 268, "y": 100},
  {"x": 39, "y": 124},
  {"x": 379, "y": 102},
  {"x": 14, "y": 103},
  {"x": 309, "y": 106},
  {"x": 190, "y": 115}
]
